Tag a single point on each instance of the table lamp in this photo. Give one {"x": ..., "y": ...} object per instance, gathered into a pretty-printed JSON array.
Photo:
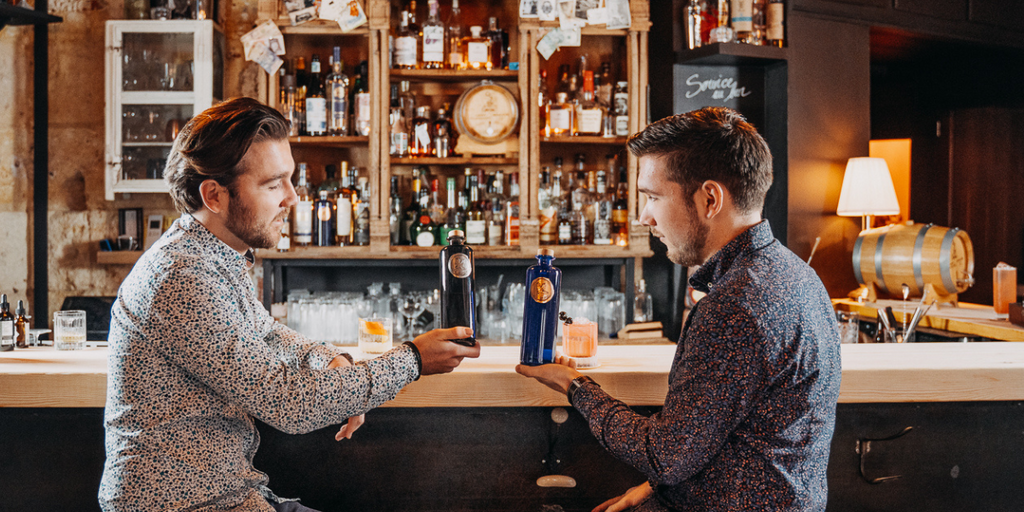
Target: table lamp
[{"x": 867, "y": 190}]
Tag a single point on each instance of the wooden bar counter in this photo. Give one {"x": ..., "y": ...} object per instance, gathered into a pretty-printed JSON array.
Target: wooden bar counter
[{"x": 636, "y": 374}]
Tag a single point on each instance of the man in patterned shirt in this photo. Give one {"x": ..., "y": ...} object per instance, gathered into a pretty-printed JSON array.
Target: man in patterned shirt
[
  {"x": 194, "y": 356},
  {"x": 753, "y": 386}
]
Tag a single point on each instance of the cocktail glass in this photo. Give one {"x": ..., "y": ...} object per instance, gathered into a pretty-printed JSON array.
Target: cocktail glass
[
  {"x": 375, "y": 335},
  {"x": 69, "y": 329},
  {"x": 579, "y": 341}
]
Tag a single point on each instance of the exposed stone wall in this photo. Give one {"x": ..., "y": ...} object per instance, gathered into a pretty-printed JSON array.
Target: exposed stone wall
[{"x": 79, "y": 214}]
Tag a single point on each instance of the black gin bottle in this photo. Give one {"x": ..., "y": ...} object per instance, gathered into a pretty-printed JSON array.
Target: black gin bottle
[{"x": 458, "y": 290}]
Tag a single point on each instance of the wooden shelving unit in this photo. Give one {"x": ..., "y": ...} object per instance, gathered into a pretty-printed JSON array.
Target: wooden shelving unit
[{"x": 450, "y": 75}]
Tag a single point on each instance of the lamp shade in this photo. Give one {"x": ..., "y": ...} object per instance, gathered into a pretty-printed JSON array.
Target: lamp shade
[{"x": 867, "y": 189}]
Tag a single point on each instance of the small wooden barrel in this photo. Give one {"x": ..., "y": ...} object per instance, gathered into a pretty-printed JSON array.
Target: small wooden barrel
[{"x": 915, "y": 255}]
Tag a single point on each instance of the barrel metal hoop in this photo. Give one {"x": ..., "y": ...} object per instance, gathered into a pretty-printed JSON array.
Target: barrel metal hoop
[
  {"x": 878, "y": 264},
  {"x": 918, "y": 250},
  {"x": 945, "y": 257},
  {"x": 856, "y": 259}
]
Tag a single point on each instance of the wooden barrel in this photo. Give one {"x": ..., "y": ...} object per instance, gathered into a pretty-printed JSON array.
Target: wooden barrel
[{"x": 914, "y": 254}]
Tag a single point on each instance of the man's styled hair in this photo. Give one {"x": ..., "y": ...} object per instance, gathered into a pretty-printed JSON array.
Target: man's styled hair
[
  {"x": 712, "y": 143},
  {"x": 212, "y": 144}
]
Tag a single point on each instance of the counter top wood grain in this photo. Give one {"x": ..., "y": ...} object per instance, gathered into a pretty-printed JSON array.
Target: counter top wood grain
[{"x": 638, "y": 375}]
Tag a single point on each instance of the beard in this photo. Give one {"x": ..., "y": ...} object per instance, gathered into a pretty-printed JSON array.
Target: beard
[
  {"x": 690, "y": 253},
  {"x": 242, "y": 223}
]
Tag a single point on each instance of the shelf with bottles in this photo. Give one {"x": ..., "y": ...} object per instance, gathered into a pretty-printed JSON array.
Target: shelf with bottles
[
  {"x": 585, "y": 139},
  {"x": 455, "y": 160},
  {"x": 730, "y": 32},
  {"x": 317, "y": 27},
  {"x": 330, "y": 141},
  {"x": 731, "y": 54},
  {"x": 453, "y": 75}
]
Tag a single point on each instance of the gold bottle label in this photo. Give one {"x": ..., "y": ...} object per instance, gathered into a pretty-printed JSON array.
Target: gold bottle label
[{"x": 542, "y": 290}]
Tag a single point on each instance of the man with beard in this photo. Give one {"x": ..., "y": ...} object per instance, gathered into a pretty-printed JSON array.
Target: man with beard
[
  {"x": 194, "y": 356},
  {"x": 753, "y": 386}
]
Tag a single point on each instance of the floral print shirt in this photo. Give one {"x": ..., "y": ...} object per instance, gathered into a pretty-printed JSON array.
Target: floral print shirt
[
  {"x": 194, "y": 356},
  {"x": 750, "y": 411}
]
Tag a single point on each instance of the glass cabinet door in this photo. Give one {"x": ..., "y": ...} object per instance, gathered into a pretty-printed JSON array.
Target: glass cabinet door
[{"x": 159, "y": 74}]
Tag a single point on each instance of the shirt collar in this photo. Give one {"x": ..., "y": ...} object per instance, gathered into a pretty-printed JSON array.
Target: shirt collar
[
  {"x": 215, "y": 245},
  {"x": 754, "y": 238}
]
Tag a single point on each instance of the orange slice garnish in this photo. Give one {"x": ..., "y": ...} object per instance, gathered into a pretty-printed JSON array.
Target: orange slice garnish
[{"x": 375, "y": 328}]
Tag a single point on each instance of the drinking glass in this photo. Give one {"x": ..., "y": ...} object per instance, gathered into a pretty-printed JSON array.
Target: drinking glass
[
  {"x": 579, "y": 341},
  {"x": 1004, "y": 288},
  {"x": 412, "y": 307},
  {"x": 69, "y": 329},
  {"x": 513, "y": 303},
  {"x": 849, "y": 326},
  {"x": 375, "y": 335}
]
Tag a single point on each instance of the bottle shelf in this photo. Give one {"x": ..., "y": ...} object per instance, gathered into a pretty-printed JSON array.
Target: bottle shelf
[
  {"x": 731, "y": 54},
  {"x": 586, "y": 139},
  {"x": 318, "y": 27},
  {"x": 481, "y": 252},
  {"x": 14, "y": 15},
  {"x": 458, "y": 160},
  {"x": 335, "y": 141},
  {"x": 453, "y": 75}
]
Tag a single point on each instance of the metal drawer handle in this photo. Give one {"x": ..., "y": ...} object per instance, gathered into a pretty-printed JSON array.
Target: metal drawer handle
[{"x": 864, "y": 446}]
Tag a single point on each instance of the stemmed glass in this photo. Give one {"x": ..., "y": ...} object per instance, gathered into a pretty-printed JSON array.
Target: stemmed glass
[{"x": 412, "y": 307}]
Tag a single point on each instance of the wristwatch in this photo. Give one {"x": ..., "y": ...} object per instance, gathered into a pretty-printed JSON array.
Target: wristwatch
[{"x": 576, "y": 384}]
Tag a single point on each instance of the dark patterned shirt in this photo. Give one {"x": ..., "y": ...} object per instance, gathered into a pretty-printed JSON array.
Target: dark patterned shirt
[
  {"x": 194, "y": 357},
  {"x": 752, "y": 395}
]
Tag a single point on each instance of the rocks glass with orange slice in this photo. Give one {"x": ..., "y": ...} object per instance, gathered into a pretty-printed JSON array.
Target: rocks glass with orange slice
[{"x": 374, "y": 335}]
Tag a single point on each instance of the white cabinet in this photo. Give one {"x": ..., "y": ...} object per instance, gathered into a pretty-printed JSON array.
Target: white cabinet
[{"x": 158, "y": 75}]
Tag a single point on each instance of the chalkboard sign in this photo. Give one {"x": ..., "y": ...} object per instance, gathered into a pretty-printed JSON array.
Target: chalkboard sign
[{"x": 739, "y": 88}]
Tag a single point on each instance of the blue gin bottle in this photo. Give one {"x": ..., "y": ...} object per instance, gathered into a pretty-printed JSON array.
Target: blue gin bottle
[{"x": 540, "y": 310}]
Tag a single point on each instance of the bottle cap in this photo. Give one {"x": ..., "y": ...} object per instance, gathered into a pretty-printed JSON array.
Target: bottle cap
[
  {"x": 3, "y": 299},
  {"x": 20, "y": 310},
  {"x": 545, "y": 252},
  {"x": 456, "y": 233}
]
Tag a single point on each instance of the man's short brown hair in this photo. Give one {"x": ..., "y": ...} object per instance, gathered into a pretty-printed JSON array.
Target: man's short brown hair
[
  {"x": 212, "y": 144},
  {"x": 712, "y": 143}
]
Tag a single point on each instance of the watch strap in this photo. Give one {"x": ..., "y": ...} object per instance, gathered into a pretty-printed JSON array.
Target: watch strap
[{"x": 576, "y": 384}]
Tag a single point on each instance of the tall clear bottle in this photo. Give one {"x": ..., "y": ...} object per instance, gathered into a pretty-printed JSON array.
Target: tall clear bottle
[
  {"x": 406, "y": 45},
  {"x": 337, "y": 93},
  {"x": 290, "y": 108},
  {"x": 362, "y": 101},
  {"x": 775, "y": 18},
  {"x": 399, "y": 126},
  {"x": 547, "y": 205},
  {"x": 395, "y": 213},
  {"x": 540, "y": 310},
  {"x": 455, "y": 34},
  {"x": 458, "y": 287},
  {"x": 302, "y": 231},
  {"x": 433, "y": 40},
  {"x": 454, "y": 216},
  {"x": 344, "y": 199},
  {"x": 316, "y": 101},
  {"x": 476, "y": 220},
  {"x": 512, "y": 211},
  {"x": 361, "y": 211}
]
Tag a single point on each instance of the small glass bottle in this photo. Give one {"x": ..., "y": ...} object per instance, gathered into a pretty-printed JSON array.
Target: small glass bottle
[
  {"x": 560, "y": 116},
  {"x": 7, "y": 330},
  {"x": 21, "y": 325},
  {"x": 458, "y": 287},
  {"x": 643, "y": 304},
  {"x": 476, "y": 49},
  {"x": 722, "y": 33},
  {"x": 361, "y": 212},
  {"x": 540, "y": 310},
  {"x": 289, "y": 108},
  {"x": 497, "y": 46},
  {"x": 422, "y": 136},
  {"x": 544, "y": 103},
  {"x": 433, "y": 40},
  {"x": 694, "y": 17},
  {"x": 444, "y": 135}
]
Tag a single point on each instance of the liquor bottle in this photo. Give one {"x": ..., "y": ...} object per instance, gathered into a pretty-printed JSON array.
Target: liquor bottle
[
  {"x": 496, "y": 205},
  {"x": 412, "y": 210},
  {"x": 408, "y": 102},
  {"x": 498, "y": 54},
  {"x": 395, "y": 214},
  {"x": 434, "y": 205},
  {"x": 454, "y": 215},
  {"x": 344, "y": 201},
  {"x": 775, "y": 18},
  {"x": 361, "y": 212},
  {"x": 414, "y": 26},
  {"x": 540, "y": 310},
  {"x": 512, "y": 211},
  {"x": 544, "y": 103},
  {"x": 476, "y": 49},
  {"x": 399, "y": 126},
  {"x": 722, "y": 33},
  {"x": 602, "y": 212},
  {"x": 406, "y": 45},
  {"x": 302, "y": 231},
  {"x": 455, "y": 37},
  {"x": 563, "y": 79},
  {"x": 758, "y": 24},
  {"x": 289, "y": 108},
  {"x": 476, "y": 221},
  {"x": 7, "y": 334},
  {"x": 643, "y": 304},
  {"x": 694, "y": 17},
  {"x": 548, "y": 209},
  {"x": 301, "y": 83},
  {"x": 708, "y": 20},
  {"x": 337, "y": 92},
  {"x": 324, "y": 227},
  {"x": 423, "y": 230},
  {"x": 362, "y": 101},
  {"x": 458, "y": 288},
  {"x": 316, "y": 102},
  {"x": 582, "y": 228},
  {"x": 589, "y": 113},
  {"x": 21, "y": 326},
  {"x": 603, "y": 87},
  {"x": 561, "y": 116},
  {"x": 284, "y": 244},
  {"x": 742, "y": 12},
  {"x": 422, "y": 139},
  {"x": 620, "y": 100},
  {"x": 444, "y": 135},
  {"x": 620, "y": 211},
  {"x": 330, "y": 183},
  {"x": 464, "y": 192},
  {"x": 433, "y": 40}
]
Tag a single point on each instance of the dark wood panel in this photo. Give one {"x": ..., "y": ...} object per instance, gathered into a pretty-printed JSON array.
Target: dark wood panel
[
  {"x": 987, "y": 187},
  {"x": 955, "y": 10},
  {"x": 1002, "y": 13},
  {"x": 866, "y": 3}
]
